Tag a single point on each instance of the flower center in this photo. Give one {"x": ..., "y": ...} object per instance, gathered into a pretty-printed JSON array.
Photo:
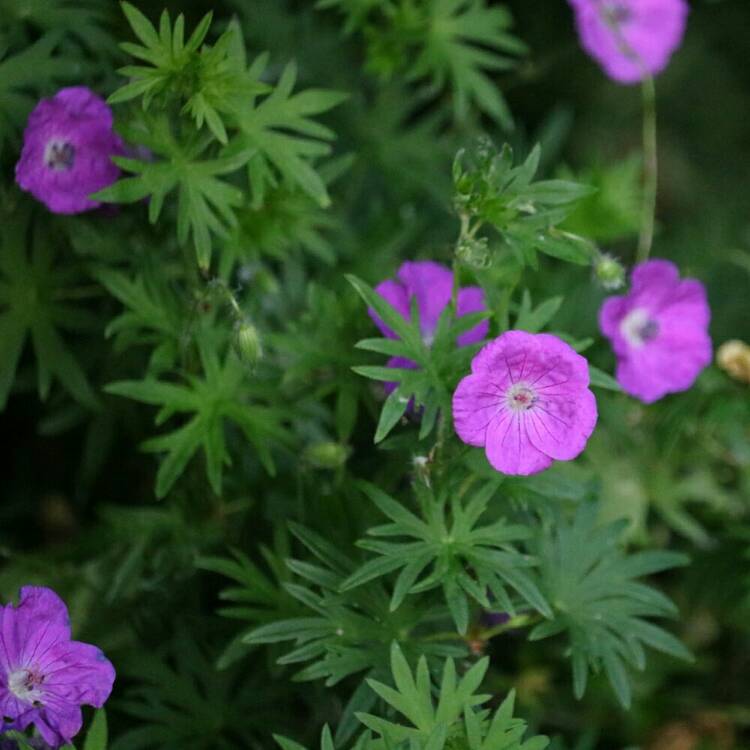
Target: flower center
[
  {"x": 519, "y": 397},
  {"x": 638, "y": 327},
  {"x": 59, "y": 155},
  {"x": 25, "y": 684}
]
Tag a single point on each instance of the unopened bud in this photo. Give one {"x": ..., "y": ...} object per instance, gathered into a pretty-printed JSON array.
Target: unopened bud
[
  {"x": 247, "y": 343},
  {"x": 609, "y": 272},
  {"x": 327, "y": 455},
  {"x": 474, "y": 252},
  {"x": 734, "y": 358}
]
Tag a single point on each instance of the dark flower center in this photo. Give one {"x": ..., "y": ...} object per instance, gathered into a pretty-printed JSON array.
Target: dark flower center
[
  {"x": 649, "y": 330},
  {"x": 638, "y": 327},
  {"x": 59, "y": 155}
]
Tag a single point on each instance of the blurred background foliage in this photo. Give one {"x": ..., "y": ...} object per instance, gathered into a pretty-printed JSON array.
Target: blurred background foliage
[{"x": 77, "y": 507}]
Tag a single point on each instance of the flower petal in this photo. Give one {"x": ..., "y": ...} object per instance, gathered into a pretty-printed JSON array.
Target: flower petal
[
  {"x": 509, "y": 449},
  {"x": 471, "y": 300},
  {"x": 477, "y": 401},
  {"x": 560, "y": 426}
]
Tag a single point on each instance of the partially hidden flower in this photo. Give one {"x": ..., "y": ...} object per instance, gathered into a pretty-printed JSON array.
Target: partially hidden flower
[
  {"x": 526, "y": 402},
  {"x": 630, "y": 38},
  {"x": 67, "y": 151},
  {"x": 45, "y": 677},
  {"x": 659, "y": 331},
  {"x": 432, "y": 285},
  {"x": 734, "y": 358}
]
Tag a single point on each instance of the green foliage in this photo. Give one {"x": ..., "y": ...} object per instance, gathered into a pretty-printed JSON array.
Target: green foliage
[
  {"x": 26, "y": 74},
  {"x": 281, "y": 136},
  {"x": 208, "y": 81},
  {"x": 456, "y": 45},
  {"x": 274, "y": 136},
  {"x": 342, "y": 631},
  {"x": 181, "y": 702},
  {"x": 221, "y": 395},
  {"x": 614, "y": 210},
  {"x": 205, "y": 203},
  {"x": 490, "y": 190},
  {"x": 454, "y": 720},
  {"x": 466, "y": 40},
  {"x": 590, "y": 583},
  {"x": 33, "y": 306},
  {"x": 455, "y": 553},
  {"x": 96, "y": 737}
]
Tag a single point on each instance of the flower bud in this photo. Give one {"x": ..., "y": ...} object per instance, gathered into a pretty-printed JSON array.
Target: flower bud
[
  {"x": 609, "y": 272},
  {"x": 734, "y": 358},
  {"x": 247, "y": 343},
  {"x": 327, "y": 455},
  {"x": 473, "y": 251}
]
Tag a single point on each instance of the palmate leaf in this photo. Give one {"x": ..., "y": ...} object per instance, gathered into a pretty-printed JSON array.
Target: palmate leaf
[
  {"x": 210, "y": 81},
  {"x": 345, "y": 633},
  {"x": 205, "y": 203},
  {"x": 279, "y": 132},
  {"x": 466, "y": 41},
  {"x": 598, "y": 602},
  {"x": 446, "y": 715},
  {"x": 449, "y": 550},
  {"x": 32, "y": 307},
  {"x": 211, "y": 402}
]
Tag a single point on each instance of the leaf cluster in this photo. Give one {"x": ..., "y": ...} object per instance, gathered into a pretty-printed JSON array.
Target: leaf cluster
[
  {"x": 221, "y": 395},
  {"x": 598, "y": 603},
  {"x": 525, "y": 212},
  {"x": 451, "y": 551},
  {"x": 267, "y": 130},
  {"x": 439, "y": 45}
]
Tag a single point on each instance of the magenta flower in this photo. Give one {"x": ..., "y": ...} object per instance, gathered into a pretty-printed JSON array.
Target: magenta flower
[
  {"x": 432, "y": 285},
  {"x": 659, "y": 331},
  {"x": 526, "y": 402},
  {"x": 630, "y": 38},
  {"x": 45, "y": 677},
  {"x": 67, "y": 148}
]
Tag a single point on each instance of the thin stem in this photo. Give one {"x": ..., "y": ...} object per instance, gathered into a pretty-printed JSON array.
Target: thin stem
[{"x": 650, "y": 169}]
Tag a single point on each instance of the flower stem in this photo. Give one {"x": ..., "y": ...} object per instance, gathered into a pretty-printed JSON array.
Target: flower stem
[{"x": 650, "y": 169}]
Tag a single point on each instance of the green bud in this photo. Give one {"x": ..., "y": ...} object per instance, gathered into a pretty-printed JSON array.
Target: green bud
[
  {"x": 609, "y": 272},
  {"x": 327, "y": 455},
  {"x": 474, "y": 252},
  {"x": 247, "y": 343}
]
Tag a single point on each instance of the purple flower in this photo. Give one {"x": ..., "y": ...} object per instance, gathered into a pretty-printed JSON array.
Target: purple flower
[
  {"x": 432, "y": 285},
  {"x": 67, "y": 148},
  {"x": 45, "y": 677},
  {"x": 659, "y": 331},
  {"x": 526, "y": 402},
  {"x": 630, "y": 38}
]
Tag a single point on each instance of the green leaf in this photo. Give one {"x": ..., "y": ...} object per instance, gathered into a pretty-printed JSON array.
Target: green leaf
[
  {"x": 96, "y": 737},
  {"x": 589, "y": 580},
  {"x": 601, "y": 379}
]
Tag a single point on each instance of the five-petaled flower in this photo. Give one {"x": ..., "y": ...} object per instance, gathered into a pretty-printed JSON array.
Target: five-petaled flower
[
  {"x": 67, "y": 148},
  {"x": 630, "y": 38},
  {"x": 659, "y": 331},
  {"x": 432, "y": 285},
  {"x": 45, "y": 677},
  {"x": 526, "y": 402}
]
